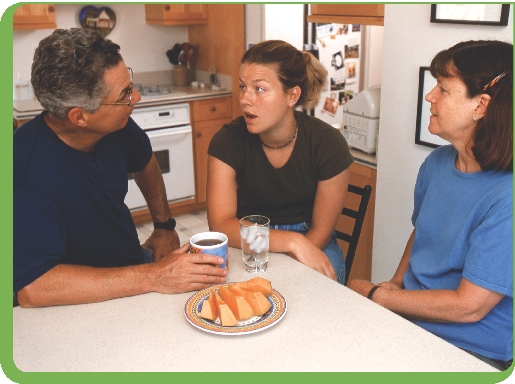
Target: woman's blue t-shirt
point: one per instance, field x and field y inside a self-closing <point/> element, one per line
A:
<point x="464" y="229"/>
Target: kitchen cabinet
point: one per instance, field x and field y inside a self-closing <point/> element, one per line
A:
<point x="367" y="14"/>
<point x="176" y="14"/>
<point x="208" y="116"/>
<point x="221" y="42"/>
<point x="34" y="16"/>
<point x="361" y="175"/>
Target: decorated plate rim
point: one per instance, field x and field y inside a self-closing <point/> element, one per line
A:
<point x="254" y="324"/>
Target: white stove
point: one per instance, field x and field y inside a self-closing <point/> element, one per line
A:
<point x="169" y="130"/>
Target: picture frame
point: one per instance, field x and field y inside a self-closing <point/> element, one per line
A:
<point x="426" y="82"/>
<point x="478" y="14"/>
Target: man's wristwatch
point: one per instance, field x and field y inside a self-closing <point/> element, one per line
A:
<point x="169" y="224"/>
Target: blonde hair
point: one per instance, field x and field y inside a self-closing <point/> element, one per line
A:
<point x="294" y="68"/>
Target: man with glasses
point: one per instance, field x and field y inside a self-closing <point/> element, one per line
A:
<point x="74" y="237"/>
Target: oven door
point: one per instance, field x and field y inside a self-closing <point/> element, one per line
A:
<point x="174" y="152"/>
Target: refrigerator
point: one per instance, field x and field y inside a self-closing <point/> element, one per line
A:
<point x="338" y="47"/>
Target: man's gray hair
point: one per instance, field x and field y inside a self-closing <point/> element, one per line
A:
<point x="68" y="70"/>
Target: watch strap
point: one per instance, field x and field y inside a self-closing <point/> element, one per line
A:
<point x="169" y="224"/>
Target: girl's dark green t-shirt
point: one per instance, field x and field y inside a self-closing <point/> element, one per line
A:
<point x="285" y="195"/>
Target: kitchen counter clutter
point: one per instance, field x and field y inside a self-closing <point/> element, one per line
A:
<point x="23" y="109"/>
<point x="360" y="157"/>
<point x="326" y="328"/>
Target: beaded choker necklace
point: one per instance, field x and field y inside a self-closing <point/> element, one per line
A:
<point x="288" y="143"/>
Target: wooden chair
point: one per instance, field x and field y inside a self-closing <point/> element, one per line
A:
<point x="358" y="216"/>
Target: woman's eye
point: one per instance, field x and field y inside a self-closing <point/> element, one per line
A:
<point x="242" y="87"/>
<point x="260" y="89"/>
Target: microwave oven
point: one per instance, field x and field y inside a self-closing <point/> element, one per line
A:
<point x="361" y="120"/>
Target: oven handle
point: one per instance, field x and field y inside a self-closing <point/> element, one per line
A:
<point x="168" y="132"/>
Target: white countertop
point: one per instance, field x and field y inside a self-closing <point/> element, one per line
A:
<point x="327" y="327"/>
<point x="31" y="108"/>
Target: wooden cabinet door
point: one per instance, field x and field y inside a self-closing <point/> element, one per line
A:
<point x="34" y="16"/>
<point x="210" y="109"/>
<point x="203" y="132"/>
<point x="221" y="42"/>
<point x="367" y="14"/>
<point x="348" y="9"/>
<point x="176" y="14"/>
<point x="362" y="266"/>
<point x="208" y="117"/>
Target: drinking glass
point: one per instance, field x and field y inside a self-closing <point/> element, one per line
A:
<point x="254" y="233"/>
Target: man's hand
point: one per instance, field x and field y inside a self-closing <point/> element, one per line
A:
<point x="162" y="242"/>
<point x="181" y="272"/>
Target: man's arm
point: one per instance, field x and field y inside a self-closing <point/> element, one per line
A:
<point x="150" y="182"/>
<point x="73" y="284"/>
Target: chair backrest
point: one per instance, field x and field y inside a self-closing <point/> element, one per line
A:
<point x="358" y="216"/>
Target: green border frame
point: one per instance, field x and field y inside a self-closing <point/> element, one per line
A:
<point x="6" y="324"/>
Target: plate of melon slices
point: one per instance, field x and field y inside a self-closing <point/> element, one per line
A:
<point x="236" y="308"/>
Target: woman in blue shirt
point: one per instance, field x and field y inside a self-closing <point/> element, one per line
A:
<point x="455" y="278"/>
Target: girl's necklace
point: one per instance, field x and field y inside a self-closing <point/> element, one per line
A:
<point x="284" y="145"/>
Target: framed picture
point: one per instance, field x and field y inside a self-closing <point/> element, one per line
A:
<point x="426" y="82"/>
<point x="485" y="14"/>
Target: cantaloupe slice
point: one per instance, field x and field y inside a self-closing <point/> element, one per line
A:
<point x="258" y="302"/>
<point x="209" y="310"/>
<point x="257" y="284"/>
<point x="238" y="305"/>
<point x="225" y="314"/>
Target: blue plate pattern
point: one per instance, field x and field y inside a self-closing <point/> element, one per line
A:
<point x="193" y="307"/>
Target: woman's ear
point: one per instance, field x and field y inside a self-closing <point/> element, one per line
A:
<point x="294" y="95"/>
<point x="77" y="117"/>
<point x="482" y="105"/>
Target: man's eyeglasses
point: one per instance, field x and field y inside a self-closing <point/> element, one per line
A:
<point x="128" y="93"/>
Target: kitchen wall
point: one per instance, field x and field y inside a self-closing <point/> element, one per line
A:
<point x="410" y="41"/>
<point x="143" y="46"/>
<point x="274" y="21"/>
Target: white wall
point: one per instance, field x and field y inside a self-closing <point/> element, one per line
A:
<point x="410" y="41"/>
<point x="143" y="46"/>
<point x="274" y="22"/>
<point x="373" y="55"/>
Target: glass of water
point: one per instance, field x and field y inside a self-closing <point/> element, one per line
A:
<point x="254" y="233"/>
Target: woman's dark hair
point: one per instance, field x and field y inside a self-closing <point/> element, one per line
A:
<point x="477" y="63"/>
<point x="294" y="68"/>
<point x="68" y="70"/>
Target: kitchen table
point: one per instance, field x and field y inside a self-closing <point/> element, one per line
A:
<point x="327" y="327"/>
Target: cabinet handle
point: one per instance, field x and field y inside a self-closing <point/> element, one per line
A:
<point x="199" y="135"/>
<point x="51" y="8"/>
<point x="213" y="109"/>
<point x="167" y="7"/>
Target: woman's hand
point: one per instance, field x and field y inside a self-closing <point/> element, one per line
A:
<point x="307" y="253"/>
<point x="390" y="285"/>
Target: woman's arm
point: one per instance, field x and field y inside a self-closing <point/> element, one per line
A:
<point x="468" y="303"/>
<point x="327" y="209"/>
<point x="221" y="204"/>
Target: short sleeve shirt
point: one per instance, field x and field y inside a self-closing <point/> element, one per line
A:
<point x="69" y="205"/>
<point x="285" y="195"/>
